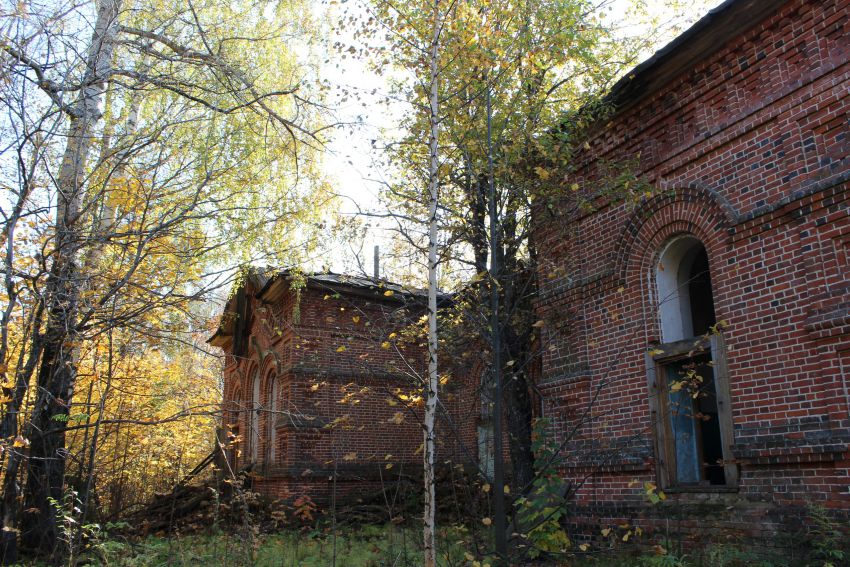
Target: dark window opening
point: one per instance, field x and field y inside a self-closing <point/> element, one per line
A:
<point x="700" y="296"/>
<point x="693" y="421"/>
<point x="694" y="427"/>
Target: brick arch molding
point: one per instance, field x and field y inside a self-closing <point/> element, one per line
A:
<point x="692" y="210"/>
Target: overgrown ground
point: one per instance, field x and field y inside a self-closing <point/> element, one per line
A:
<point x="379" y="546"/>
<point x="393" y="545"/>
<point x="366" y="546"/>
<point x="196" y="525"/>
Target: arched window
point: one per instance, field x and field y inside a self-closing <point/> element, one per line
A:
<point x="271" y="424"/>
<point x="686" y="303"/>
<point x="254" y="418"/>
<point x="231" y="424"/>
<point x="687" y="372"/>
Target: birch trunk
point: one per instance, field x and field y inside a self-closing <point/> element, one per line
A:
<point x="429" y="524"/>
<point x="57" y="373"/>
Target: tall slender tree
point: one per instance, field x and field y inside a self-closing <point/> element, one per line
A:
<point x="57" y="374"/>
<point x="170" y="127"/>
<point x="432" y="390"/>
<point x="512" y="73"/>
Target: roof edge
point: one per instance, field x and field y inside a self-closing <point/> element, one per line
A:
<point x="726" y="21"/>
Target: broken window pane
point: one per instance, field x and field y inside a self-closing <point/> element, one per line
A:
<point x="693" y="421"/>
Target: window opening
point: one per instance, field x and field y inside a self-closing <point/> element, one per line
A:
<point x="231" y="439"/>
<point x="685" y="365"/>
<point x="486" y="450"/>
<point x="255" y="417"/>
<point x="699" y="294"/>
<point x="693" y="421"/>
<point x="272" y="419"/>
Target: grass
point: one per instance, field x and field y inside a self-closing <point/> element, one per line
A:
<point x="369" y="546"/>
<point x="395" y="545"/>
<point x="376" y="546"/>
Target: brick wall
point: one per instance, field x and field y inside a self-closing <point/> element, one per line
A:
<point x="344" y="363"/>
<point x="748" y="151"/>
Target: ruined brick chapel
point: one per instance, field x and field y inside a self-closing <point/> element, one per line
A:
<point x="733" y="277"/>
<point x="742" y="126"/>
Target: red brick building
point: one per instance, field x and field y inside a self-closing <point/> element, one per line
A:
<point x="700" y="340"/>
<point x="320" y="385"/>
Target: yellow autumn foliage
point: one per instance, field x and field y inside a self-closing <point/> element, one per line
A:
<point x="158" y="407"/>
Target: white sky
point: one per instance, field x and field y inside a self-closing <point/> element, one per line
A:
<point x="349" y="161"/>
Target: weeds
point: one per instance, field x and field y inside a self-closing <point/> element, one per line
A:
<point x="826" y="538"/>
<point x="369" y="546"/>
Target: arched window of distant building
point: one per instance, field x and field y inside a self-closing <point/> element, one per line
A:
<point x="231" y="424"/>
<point x="271" y="423"/>
<point x="254" y="418"/>
<point x="693" y="422"/>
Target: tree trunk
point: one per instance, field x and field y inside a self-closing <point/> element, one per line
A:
<point x="520" y="414"/>
<point x="9" y="430"/>
<point x="429" y="521"/>
<point x="57" y="373"/>
<point x="496" y="343"/>
<point x="517" y="332"/>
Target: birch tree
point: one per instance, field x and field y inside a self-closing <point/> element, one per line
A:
<point x="407" y="38"/>
<point x="148" y="135"/>
<point x="56" y="376"/>
<point x="513" y="74"/>
<point x="429" y="529"/>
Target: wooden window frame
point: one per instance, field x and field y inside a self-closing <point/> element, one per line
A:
<point x="657" y="358"/>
